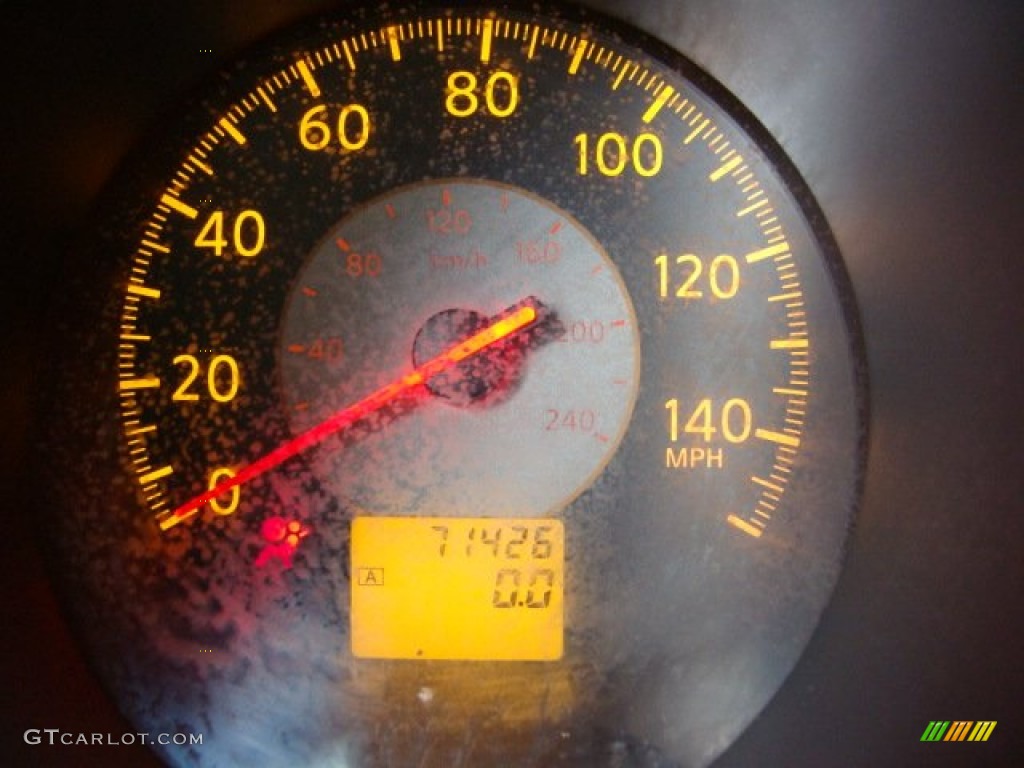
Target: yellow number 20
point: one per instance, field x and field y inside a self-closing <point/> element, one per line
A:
<point x="222" y="378"/>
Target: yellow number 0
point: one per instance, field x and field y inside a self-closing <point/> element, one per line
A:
<point x="216" y="476"/>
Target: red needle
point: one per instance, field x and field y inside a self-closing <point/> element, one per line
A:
<point x="496" y="331"/>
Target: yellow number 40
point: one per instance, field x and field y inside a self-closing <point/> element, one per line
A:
<point x="248" y="234"/>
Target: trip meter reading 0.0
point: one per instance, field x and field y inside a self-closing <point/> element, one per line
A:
<point x="484" y="387"/>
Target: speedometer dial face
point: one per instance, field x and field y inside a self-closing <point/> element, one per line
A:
<point x="477" y="386"/>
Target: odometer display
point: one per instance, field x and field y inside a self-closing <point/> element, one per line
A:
<point x="485" y="390"/>
<point x="457" y="588"/>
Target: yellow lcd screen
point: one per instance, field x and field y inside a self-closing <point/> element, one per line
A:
<point x="457" y="588"/>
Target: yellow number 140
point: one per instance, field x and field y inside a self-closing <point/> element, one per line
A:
<point x="733" y="418"/>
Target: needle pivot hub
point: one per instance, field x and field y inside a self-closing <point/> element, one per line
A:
<point x="484" y="379"/>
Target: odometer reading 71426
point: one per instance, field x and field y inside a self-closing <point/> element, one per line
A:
<point x="457" y="588"/>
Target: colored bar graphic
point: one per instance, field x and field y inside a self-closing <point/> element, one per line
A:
<point x="982" y="730"/>
<point x="935" y="731"/>
<point x="958" y="730"/>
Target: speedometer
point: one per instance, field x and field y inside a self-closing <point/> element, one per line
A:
<point x="471" y="386"/>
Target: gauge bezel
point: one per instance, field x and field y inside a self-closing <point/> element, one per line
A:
<point x="752" y="128"/>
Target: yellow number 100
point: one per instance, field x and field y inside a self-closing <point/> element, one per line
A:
<point x="613" y="152"/>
